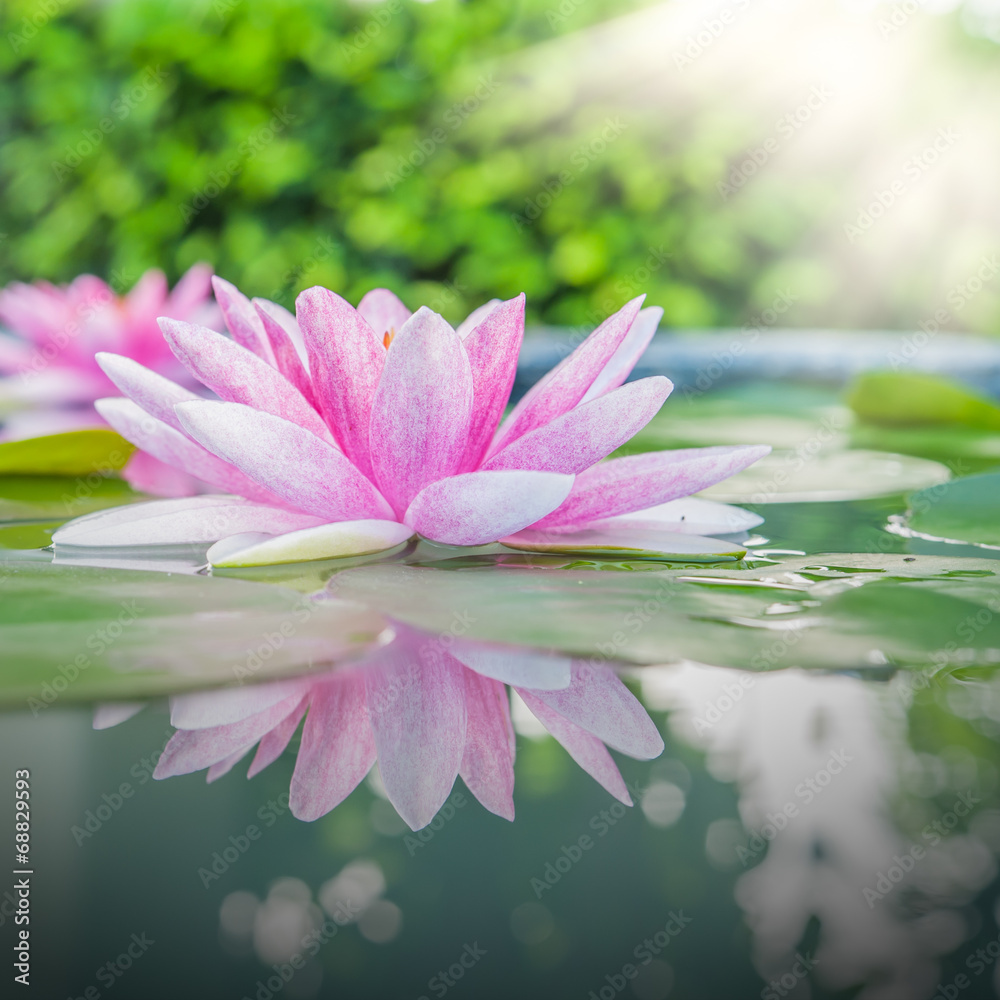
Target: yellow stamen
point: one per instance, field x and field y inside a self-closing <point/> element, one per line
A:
<point x="387" y="339"/>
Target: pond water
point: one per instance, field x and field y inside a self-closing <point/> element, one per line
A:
<point x="824" y="821"/>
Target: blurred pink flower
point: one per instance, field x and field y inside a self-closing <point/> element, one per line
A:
<point x="49" y="378"/>
<point x="349" y="430"/>
<point x="425" y="711"/>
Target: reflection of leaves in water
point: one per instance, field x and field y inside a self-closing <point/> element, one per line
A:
<point x="84" y="633"/>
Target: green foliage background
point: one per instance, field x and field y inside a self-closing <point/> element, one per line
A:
<point x="137" y="134"/>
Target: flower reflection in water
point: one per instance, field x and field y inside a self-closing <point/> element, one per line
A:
<point x="426" y="711"/>
<point x="817" y="762"/>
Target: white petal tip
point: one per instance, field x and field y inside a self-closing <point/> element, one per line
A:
<point x="625" y="543"/>
<point x="327" y="541"/>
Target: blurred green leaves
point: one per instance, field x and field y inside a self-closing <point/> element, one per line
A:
<point x="141" y="134"/>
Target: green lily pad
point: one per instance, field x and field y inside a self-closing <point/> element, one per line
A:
<point x="782" y="416"/>
<point x="965" y="450"/>
<point x="912" y="399"/>
<point x="799" y="476"/>
<point x="59" y="498"/>
<point x="74" y="453"/>
<point x="966" y="510"/>
<point x="847" y="612"/>
<point x="73" y="634"/>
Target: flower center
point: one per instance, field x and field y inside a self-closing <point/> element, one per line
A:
<point x="388" y="338"/>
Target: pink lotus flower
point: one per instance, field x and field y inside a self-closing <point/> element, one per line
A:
<point x="348" y="431"/>
<point x="50" y="377"/>
<point x="425" y="711"/>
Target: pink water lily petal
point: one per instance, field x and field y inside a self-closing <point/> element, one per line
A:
<point x="176" y="449"/>
<point x="193" y="749"/>
<point x="216" y="771"/>
<point x="623" y="485"/>
<point x="241" y="319"/>
<point x="600" y="703"/>
<point x="417" y="708"/>
<point x="345" y="361"/>
<point x="618" y="369"/>
<point x="114" y="713"/>
<point x="210" y="709"/>
<point x="563" y="387"/>
<point x="190" y="292"/>
<point x="487" y="766"/>
<point x="289" y="461"/>
<point x="383" y="311"/>
<point x="587" y="750"/>
<point x="338" y="748"/>
<point x="578" y="439"/>
<point x="492" y="346"/>
<point x="477" y="508"/>
<point x="148" y="295"/>
<point x="239" y="376"/>
<point x="476" y="317"/>
<point x="190" y="520"/>
<point x="146" y="474"/>
<point x="688" y="515"/>
<point x="273" y="744"/>
<point x="287" y="346"/>
<point x="152" y="392"/>
<point x="421" y="409"/>
<point x="513" y="665"/>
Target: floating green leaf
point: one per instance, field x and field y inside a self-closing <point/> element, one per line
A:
<point x="797" y="476"/>
<point x="966" y="509"/>
<point x="75" y="453"/>
<point x="854" y="612"/>
<point x="58" y="498"/>
<point x="912" y="399"/>
<point x="72" y="634"/>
